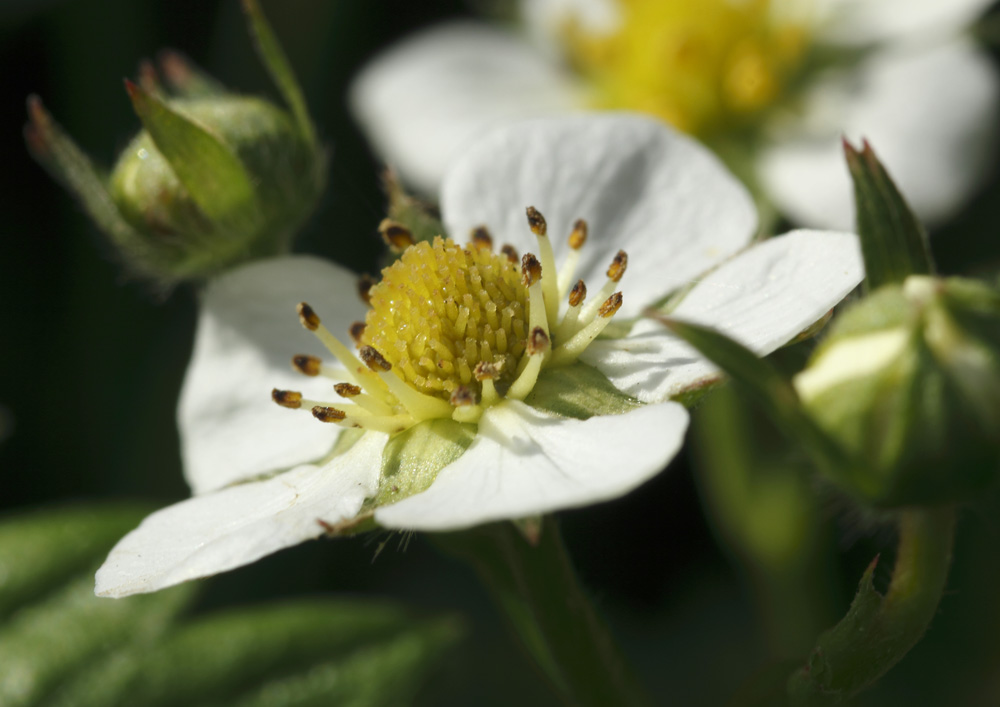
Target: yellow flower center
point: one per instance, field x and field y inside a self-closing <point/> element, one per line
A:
<point x="452" y="330"/>
<point x="441" y="310"/>
<point x="702" y="65"/>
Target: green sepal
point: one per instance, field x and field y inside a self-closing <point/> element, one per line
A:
<point x="412" y="459"/>
<point x="310" y="652"/>
<point x="767" y="387"/>
<point x="41" y="549"/>
<point x="893" y="242"/>
<point x="210" y="171"/>
<point x="185" y="79"/>
<point x="407" y="210"/>
<point x="273" y="56"/>
<point x="578" y="391"/>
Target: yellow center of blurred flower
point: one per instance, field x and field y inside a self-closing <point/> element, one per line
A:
<point x="702" y="65"/>
<point x="441" y="310"/>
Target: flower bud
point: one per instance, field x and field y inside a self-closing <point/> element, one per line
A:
<point x="908" y="382"/>
<point x="213" y="178"/>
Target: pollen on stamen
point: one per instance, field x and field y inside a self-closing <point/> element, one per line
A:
<point x="538" y="342"/>
<point x="347" y="390"/>
<point x="579" y="235"/>
<point x="287" y="398"/>
<point x="536" y="222"/>
<point x="486" y="371"/>
<point x="357" y="330"/>
<point x="310" y="320"/>
<point x="307" y="365"/>
<point x="481" y="237"/>
<point x="365" y="284"/>
<point x="463" y="396"/>
<point x="611" y="305"/>
<point x="578" y="294"/>
<point x="397" y="236"/>
<point x="328" y="414"/>
<point x="373" y="359"/>
<point x="510" y="252"/>
<point x="531" y="270"/>
<point x="617" y="268"/>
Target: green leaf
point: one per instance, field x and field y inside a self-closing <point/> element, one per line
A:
<point x="579" y="391"/>
<point x="893" y="242"/>
<point x="209" y="170"/>
<point x="764" y="384"/>
<point x="280" y="69"/>
<point x="312" y="652"/>
<point x="43" y="644"/>
<point x="43" y="549"/>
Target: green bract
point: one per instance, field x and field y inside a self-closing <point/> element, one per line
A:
<point x="909" y="381"/>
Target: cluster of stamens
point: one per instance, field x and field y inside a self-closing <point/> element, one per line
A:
<point x="451" y="330"/>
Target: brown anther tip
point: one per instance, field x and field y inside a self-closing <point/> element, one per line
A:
<point x="538" y="342"/>
<point x="462" y="397"/>
<point x="481" y="238"/>
<point x="486" y="371"/>
<point x="531" y="270"/>
<point x="611" y="305"/>
<point x="510" y="252"/>
<point x="579" y="235"/>
<point x="310" y="320"/>
<point x="325" y="414"/>
<point x="577" y="294"/>
<point x="356" y="331"/>
<point x="287" y="398"/>
<point x="397" y="236"/>
<point x="365" y="284"/>
<point x="347" y="390"/>
<point x="306" y="364"/>
<point x="536" y="222"/>
<point x="618" y="266"/>
<point x="373" y="359"/>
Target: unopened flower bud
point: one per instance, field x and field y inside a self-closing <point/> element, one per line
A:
<point x="909" y="383"/>
<point x="213" y="178"/>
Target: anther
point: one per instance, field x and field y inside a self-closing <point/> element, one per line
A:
<point x="531" y="270"/>
<point x="287" y="398"/>
<point x="577" y="294"/>
<point x="536" y="222"/>
<point x="579" y="235"/>
<point x="397" y="236"/>
<point x="356" y="331"/>
<point x="611" y="305"/>
<point x="538" y="341"/>
<point x="365" y="284"/>
<point x="481" y="238"/>
<point x="463" y="396"/>
<point x="306" y="365"/>
<point x="486" y="371"/>
<point x="618" y="265"/>
<point x="347" y="390"/>
<point x="310" y="320"/>
<point x="511" y="252"/>
<point x="327" y="414"/>
<point x="373" y="359"/>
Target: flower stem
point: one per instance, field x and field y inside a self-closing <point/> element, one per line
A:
<point x="879" y="630"/>
<point x="534" y="583"/>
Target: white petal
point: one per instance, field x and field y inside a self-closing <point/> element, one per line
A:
<point x="216" y="532"/>
<point x="247" y="333"/>
<point x="930" y="116"/>
<point x="424" y="99"/>
<point x="763" y="298"/>
<point x="524" y="462"/>
<point x="857" y="22"/>
<point x="642" y="187"/>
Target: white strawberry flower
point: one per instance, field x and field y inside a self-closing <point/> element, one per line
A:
<point x="480" y="388"/>
<point x="772" y="85"/>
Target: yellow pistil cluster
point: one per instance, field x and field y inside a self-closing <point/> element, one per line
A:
<point x="702" y="65"/>
<point x="453" y="330"/>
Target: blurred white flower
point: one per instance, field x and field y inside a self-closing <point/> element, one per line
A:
<point x="772" y="85"/>
<point x="466" y="413"/>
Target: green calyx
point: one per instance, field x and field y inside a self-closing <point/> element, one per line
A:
<point x="212" y="180"/>
<point x="908" y="383"/>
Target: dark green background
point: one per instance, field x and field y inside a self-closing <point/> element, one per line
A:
<point x="90" y="368"/>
